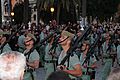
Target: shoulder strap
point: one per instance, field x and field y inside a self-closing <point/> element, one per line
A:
<point x="68" y="63"/>
<point x="29" y="52"/>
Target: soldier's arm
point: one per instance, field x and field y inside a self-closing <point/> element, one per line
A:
<point x="34" y="64"/>
<point x="76" y="72"/>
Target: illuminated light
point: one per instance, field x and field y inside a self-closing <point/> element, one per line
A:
<point x="82" y="28"/>
<point x="12" y="13"/>
<point x="13" y="20"/>
<point x="52" y="9"/>
<point x="3" y="20"/>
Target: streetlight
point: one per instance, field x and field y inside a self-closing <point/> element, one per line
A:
<point x="12" y="20"/>
<point x="12" y="13"/>
<point x="52" y="9"/>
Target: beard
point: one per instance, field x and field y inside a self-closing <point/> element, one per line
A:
<point x="82" y="50"/>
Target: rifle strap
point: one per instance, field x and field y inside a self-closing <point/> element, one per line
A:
<point x="32" y="76"/>
<point x="28" y="54"/>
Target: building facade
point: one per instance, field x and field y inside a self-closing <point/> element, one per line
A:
<point x="32" y="5"/>
<point x="8" y="5"/>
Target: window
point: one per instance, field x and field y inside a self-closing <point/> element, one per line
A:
<point x="34" y="17"/>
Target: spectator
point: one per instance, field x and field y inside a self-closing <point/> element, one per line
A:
<point x="12" y="65"/>
<point x="58" y="75"/>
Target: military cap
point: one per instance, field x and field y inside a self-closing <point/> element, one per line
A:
<point x="66" y="33"/>
<point x="2" y="33"/>
<point x="86" y="42"/>
<point x="32" y="36"/>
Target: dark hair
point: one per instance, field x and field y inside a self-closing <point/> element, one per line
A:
<point x="6" y="35"/>
<point x="59" y="75"/>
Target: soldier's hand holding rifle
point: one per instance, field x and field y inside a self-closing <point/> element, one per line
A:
<point x="61" y="67"/>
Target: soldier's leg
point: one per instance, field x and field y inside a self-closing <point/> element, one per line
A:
<point x="106" y="69"/>
<point x="85" y="77"/>
<point x="49" y="68"/>
<point x="42" y="54"/>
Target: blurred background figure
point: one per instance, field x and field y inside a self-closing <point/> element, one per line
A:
<point x="4" y="46"/>
<point x="114" y="75"/>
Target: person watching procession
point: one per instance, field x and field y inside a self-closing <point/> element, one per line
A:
<point x="32" y="57"/>
<point x="4" y="46"/>
<point x="59" y="75"/>
<point x="72" y="66"/>
<point x="12" y="65"/>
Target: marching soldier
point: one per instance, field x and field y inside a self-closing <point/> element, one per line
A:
<point x="72" y="64"/>
<point x="93" y="35"/>
<point x="87" y="61"/>
<point x="32" y="57"/>
<point x="107" y="48"/>
<point x="118" y="53"/>
<point x="42" y="48"/>
<point x="4" y="47"/>
<point x="117" y="36"/>
<point x="21" y="39"/>
<point x="52" y="50"/>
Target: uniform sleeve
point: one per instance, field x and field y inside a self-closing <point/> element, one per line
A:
<point x="74" y="60"/>
<point x="92" y="60"/>
<point x="118" y="49"/>
<point x="7" y="48"/>
<point x="114" y="48"/>
<point x="35" y="55"/>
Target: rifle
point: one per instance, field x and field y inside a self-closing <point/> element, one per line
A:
<point x="39" y="44"/>
<point x="10" y="38"/>
<point x="91" y="50"/>
<point x="72" y="48"/>
<point x="89" y="53"/>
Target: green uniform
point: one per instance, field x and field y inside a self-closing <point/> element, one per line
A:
<point x="73" y="60"/>
<point x="42" y="48"/>
<point x="106" y="51"/>
<point x="92" y="37"/>
<point x="107" y="60"/>
<point x="118" y="53"/>
<point x="21" y="43"/>
<point x="50" y="61"/>
<point x="84" y="64"/>
<point x="33" y="56"/>
<point x="5" y="48"/>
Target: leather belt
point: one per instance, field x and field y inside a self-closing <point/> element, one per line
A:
<point x="29" y="70"/>
<point x="50" y="61"/>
